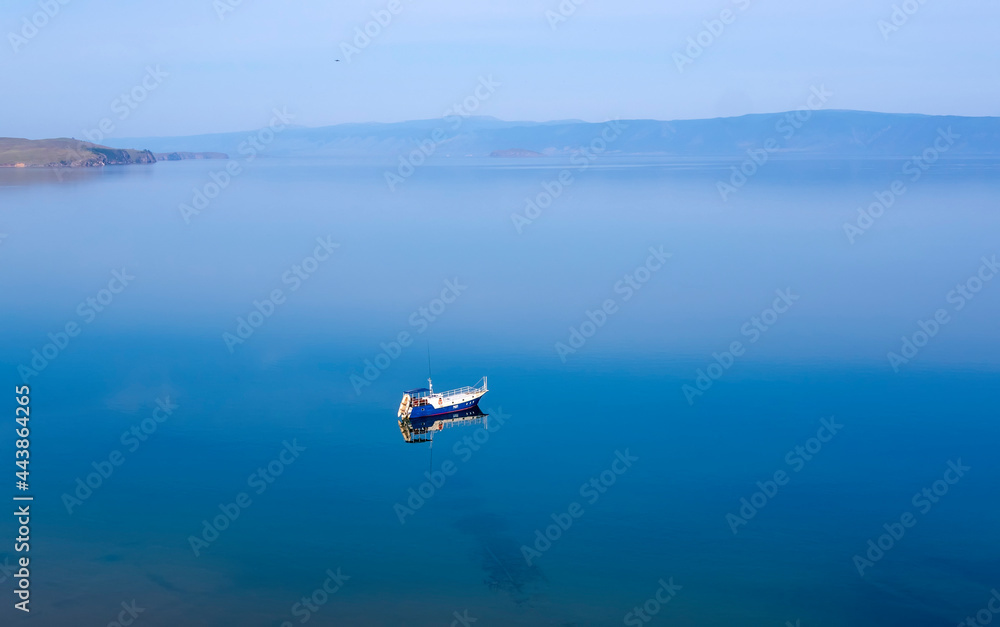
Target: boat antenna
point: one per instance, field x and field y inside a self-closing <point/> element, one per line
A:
<point x="430" y="384"/>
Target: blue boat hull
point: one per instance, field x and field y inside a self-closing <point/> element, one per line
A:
<point x="426" y="411"/>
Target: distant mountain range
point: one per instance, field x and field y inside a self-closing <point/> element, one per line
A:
<point x="822" y="133"/>
<point x="796" y="134"/>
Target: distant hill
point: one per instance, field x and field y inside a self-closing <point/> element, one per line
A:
<point x="28" y="153"/>
<point x="824" y="133"/>
<point x="73" y="153"/>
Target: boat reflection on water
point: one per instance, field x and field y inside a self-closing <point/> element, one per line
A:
<point x="423" y="429"/>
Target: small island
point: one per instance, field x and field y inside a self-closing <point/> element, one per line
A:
<point x="515" y="153"/>
<point x="184" y="156"/>
<point x="73" y="153"/>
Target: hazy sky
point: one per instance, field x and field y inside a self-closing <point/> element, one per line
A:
<point x="606" y="59"/>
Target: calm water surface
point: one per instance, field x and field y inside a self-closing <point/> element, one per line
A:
<point x="555" y="424"/>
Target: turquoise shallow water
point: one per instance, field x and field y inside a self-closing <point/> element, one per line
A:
<point x="555" y="425"/>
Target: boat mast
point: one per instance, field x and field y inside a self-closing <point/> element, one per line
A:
<point x="430" y="384"/>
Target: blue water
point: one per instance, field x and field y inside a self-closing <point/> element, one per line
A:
<point x="554" y="424"/>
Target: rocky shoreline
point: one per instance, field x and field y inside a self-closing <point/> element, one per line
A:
<point x="72" y="153"/>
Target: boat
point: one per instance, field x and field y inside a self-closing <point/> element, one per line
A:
<point x="425" y="402"/>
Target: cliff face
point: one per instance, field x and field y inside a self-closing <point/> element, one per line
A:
<point x="115" y="156"/>
<point x="65" y="153"/>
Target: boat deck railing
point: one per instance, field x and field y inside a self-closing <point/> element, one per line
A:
<point x="480" y="386"/>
